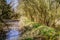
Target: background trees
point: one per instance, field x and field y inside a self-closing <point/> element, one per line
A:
<point x="6" y="10"/>
<point x="42" y="11"/>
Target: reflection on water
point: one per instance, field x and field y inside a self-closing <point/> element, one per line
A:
<point x="13" y="32"/>
<point x="13" y="35"/>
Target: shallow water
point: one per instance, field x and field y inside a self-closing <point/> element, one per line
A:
<point x="13" y="35"/>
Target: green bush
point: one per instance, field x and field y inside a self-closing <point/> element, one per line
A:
<point x="28" y="39"/>
<point x="40" y="31"/>
<point x="31" y="26"/>
<point x="35" y="25"/>
<point x="34" y="30"/>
